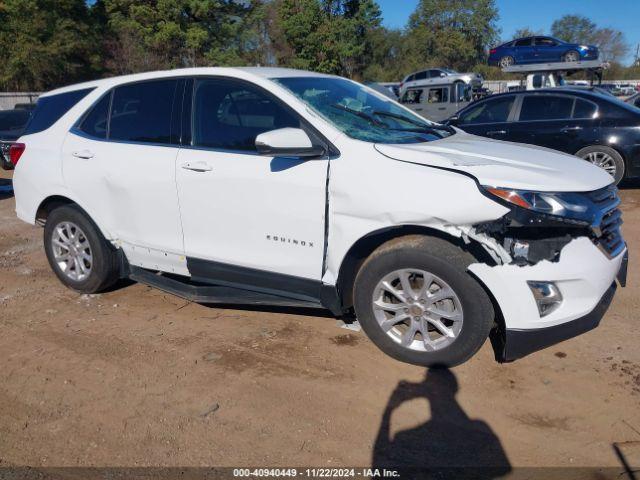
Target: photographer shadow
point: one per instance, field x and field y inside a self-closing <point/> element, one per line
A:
<point x="449" y="442"/>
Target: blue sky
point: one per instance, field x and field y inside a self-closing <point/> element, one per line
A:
<point x="622" y="15"/>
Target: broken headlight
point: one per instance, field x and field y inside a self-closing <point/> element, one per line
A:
<point x="563" y="206"/>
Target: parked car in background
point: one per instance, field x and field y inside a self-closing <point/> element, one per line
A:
<point x="540" y="49"/>
<point x="439" y="76"/>
<point x="12" y="125"/>
<point x="626" y="89"/>
<point x="437" y="102"/>
<point x="598" y="128"/>
<point x="384" y="90"/>
<point x="288" y="187"/>
<point x="634" y="100"/>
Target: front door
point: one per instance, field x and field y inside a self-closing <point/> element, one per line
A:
<point x="122" y="169"/>
<point x="248" y="220"/>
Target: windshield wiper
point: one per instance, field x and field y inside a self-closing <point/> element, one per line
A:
<point x="360" y="114"/>
<point x="422" y="126"/>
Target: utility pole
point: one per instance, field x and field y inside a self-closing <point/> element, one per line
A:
<point x="636" y="62"/>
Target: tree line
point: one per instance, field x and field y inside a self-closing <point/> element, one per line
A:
<point x="48" y="43"/>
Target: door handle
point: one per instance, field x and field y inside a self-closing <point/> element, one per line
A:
<point x="417" y="109"/>
<point x="197" y="166"/>
<point x="442" y="108"/>
<point x="570" y="129"/>
<point x="84" y="154"/>
<point x="497" y="132"/>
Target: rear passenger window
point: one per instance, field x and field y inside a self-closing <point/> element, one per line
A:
<point x="141" y="112"/>
<point x="421" y="76"/>
<point x="96" y="121"/>
<point x="230" y="115"/>
<point x="526" y="42"/>
<point x="584" y="109"/>
<point x="412" y="96"/>
<point x="491" y="111"/>
<point x="438" y="95"/>
<point x="51" y="108"/>
<point x="545" y="107"/>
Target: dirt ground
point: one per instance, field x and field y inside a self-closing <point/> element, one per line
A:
<point x="137" y="377"/>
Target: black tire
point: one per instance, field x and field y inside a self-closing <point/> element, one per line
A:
<point x="612" y="153"/>
<point x="449" y="263"/>
<point x="571" y="56"/>
<point x="506" y="61"/>
<point x="104" y="270"/>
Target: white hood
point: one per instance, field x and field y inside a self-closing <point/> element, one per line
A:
<point x="504" y="164"/>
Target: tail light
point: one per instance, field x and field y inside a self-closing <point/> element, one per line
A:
<point x="493" y="51"/>
<point x="15" y="152"/>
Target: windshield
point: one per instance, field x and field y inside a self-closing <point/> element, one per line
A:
<point x="363" y="115"/>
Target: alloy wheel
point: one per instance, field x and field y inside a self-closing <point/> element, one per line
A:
<point x="506" y="62"/>
<point x="602" y="160"/>
<point x="571" y="57"/>
<point x="72" y="251"/>
<point x="417" y="310"/>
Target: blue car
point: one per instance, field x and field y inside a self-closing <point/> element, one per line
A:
<point x="540" y="50"/>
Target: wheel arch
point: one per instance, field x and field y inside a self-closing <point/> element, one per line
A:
<point x="364" y="246"/>
<point x="52" y="202"/>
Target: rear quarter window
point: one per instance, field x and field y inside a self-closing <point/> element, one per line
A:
<point x="51" y="108"/>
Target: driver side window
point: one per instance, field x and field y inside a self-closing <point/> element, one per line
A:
<point x="229" y="115"/>
<point x="491" y="111"/>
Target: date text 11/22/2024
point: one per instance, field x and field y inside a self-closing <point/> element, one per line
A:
<point x="317" y="472"/>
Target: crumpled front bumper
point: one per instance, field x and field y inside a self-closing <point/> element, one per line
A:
<point x="584" y="275"/>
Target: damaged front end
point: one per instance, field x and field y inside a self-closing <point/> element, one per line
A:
<point x="557" y="256"/>
<point x="540" y="224"/>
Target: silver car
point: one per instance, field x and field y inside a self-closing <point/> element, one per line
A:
<point x="439" y="76"/>
<point x="437" y="102"/>
<point x="634" y="100"/>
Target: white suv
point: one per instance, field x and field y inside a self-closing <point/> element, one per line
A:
<point x="285" y="187"/>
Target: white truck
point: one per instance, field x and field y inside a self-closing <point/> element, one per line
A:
<point x="286" y="187"/>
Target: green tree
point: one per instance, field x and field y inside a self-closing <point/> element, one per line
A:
<point x="573" y="28"/>
<point x="46" y="43"/>
<point x="332" y="36"/>
<point x="451" y="33"/>
<point x="525" y="32"/>
<point x="579" y="29"/>
<point x="151" y="34"/>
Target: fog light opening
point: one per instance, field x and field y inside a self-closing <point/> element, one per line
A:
<point x="547" y="296"/>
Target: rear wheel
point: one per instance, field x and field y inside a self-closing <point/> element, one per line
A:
<point x="606" y="158"/>
<point x="78" y="253"/>
<point x="506" y="61"/>
<point x="416" y="302"/>
<point x="571" y="56"/>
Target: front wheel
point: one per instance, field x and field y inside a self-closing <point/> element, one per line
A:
<point x="416" y="302"/>
<point x="606" y="158"/>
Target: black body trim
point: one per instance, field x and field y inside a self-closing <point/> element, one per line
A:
<point x="197" y="292"/>
<point x="519" y="343"/>
<point x="305" y="290"/>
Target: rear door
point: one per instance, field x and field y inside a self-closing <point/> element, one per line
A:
<point x="120" y="163"/>
<point x="490" y="117"/>
<point x="524" y="51"/>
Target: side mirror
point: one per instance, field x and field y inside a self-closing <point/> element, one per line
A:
<point x="442" y="74"/>
<point x="452" y="120"/>
<point x="287" y="142"/>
